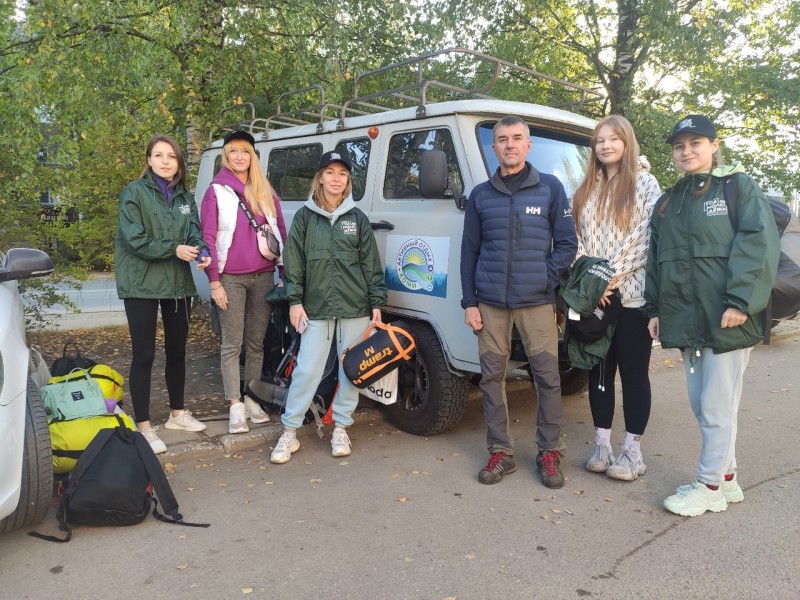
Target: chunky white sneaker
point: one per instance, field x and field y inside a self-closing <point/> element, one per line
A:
<point x="287" y="445"/>
<point x="237" y="419"/>
<point x="255" y="412"/>
<point x="185" y="421"/>
<point x="602" y="457"/>
<point x="152" y="438"/>
<point x="628" y="466"/>
<point x="696" y="500"/>
<point x="730" y="489"/>
<point x="340" y="443"/>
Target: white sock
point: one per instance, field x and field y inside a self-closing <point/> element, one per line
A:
<point x="290" y="432"/>
<point x="632" y="441"/>
<point x="602" y="437"/>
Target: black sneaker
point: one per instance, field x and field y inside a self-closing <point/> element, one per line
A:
<point x="500" y="463"/>
<point x="549" y="470"/>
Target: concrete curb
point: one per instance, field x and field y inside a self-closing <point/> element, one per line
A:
<point x="216" y="445"/>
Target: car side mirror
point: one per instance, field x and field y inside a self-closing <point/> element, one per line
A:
<point x="24" y="263"/>
<point x="434" y="180"/>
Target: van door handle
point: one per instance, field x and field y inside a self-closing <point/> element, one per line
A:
<point x="382" y="225"/>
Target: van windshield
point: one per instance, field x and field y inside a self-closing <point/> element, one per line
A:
<point x="565" y="156"/>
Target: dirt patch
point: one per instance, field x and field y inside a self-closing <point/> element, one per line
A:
<point x="112" y="346"/>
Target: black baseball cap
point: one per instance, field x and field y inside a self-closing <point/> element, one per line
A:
<point x="332" y="157"/>
<point x="698" y="124"/>
<point x="593" y="327"/>
<point x="238" y="135"/>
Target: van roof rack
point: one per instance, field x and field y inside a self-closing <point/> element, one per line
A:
<point x="418" y="82"/>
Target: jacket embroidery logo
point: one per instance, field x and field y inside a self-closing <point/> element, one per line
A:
<point x="533" y="210"/>
<point x="715" y="207"/>
<point x="349" y="228"/>
<point x="185" y="209"/>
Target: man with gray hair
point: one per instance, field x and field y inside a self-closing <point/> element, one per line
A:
<point x="519" y="236"/>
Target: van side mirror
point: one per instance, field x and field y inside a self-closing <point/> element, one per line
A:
<point x="433" y="179"/>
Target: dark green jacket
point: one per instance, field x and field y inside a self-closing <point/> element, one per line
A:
<point x="699" y="265"/>
<point x="582" y="293"/>
<point x="333" y="268"/>
<point x="148" y="232"/>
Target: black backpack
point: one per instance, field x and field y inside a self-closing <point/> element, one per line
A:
<point x="113" y="484"/>
<point x="66" y="364"/>
<point x="785" y="299"/>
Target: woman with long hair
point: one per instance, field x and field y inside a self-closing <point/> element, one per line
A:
<point x="612" y="209"/>
<point x="158" y="236"/>
<point x="335" y="284"/>
<point x="240" y="201"/>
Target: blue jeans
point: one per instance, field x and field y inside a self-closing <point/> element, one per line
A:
<point x="315" y="345"/>
<point x="715" y="389"/>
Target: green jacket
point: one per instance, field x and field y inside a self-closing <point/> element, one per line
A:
<point x="333" y="268"/>
<point x="698" y="264"/>
<point x="148" y="232"/>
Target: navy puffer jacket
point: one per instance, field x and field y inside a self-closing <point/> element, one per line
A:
<point x="515" y="246"/>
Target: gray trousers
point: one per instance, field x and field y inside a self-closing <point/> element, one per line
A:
<point x="539" y="333"/>
<point x="246" y="318"/>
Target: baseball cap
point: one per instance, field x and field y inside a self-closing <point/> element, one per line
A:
<point x="698" y="124"/>
<point x="593" y="327"/>
<point x="332" y="157"/>
<point x="238" y="135"/>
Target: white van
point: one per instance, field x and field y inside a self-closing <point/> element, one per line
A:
<point x="393" y="152"/>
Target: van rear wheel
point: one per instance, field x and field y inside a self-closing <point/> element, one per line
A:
<point x="430" y="398"/>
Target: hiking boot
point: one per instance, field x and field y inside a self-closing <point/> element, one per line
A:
<point x="340" y="443"/>
<point x="287" y="445"/>
<point x="152" y="438"/>
<point x="695" y="499"/>
<point x="500" y="464"/>
<point x="602" y="457"/>
<point x="628" y="466"/>
<point x="548" y="464"/>
<point x="185" y="421"/>
<point x="255" y="412"/>
<point x="730" y="489"/>
<point x="237" y="418"/>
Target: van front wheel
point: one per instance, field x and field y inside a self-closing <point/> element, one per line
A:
<point x="430" y="398"/>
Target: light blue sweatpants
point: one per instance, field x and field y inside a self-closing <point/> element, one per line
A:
<point x="715" y="388"/>
<point x="315" y="344"/>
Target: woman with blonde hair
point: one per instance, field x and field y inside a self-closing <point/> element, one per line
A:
<point x="612" y="210"/>
<point x="335" y="284"/>
<point x="238" y="203"/>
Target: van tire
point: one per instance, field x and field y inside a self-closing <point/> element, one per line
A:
<point x="37" y="466"/>
<point x="430" y="398"/>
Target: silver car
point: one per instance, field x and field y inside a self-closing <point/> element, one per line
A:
<point x="26" y="465"/>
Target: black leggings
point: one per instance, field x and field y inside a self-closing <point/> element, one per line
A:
<point x="630" y="351"/>
<point x="142" y="320"/>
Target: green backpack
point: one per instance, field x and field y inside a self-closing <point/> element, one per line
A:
<point x="74" y="398"/>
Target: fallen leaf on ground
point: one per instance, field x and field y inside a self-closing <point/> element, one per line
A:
<point x="223" y="485"/>
<point x="182" y="567"/>
<point x="316" y="481"/>
<point x="189" y="489"/>
<point x="247" y="590"/>
<point x="169" y="467"/>
<point x="344" y="463"/>
<point x="608" y="499"/>
<point x="402" y="499"/>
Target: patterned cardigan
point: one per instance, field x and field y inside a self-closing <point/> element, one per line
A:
<point x="600" y="237"/>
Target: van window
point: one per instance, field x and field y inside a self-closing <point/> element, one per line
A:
<point x="562" y="155"/>
<point x="290" y="170"/>
<point x="402" y="167"/>
<point x="358" y="152"/>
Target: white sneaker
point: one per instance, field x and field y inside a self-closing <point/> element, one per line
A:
<point x="287" y="445"/>
<point x="255" y="412"/>
<point x="628" y="466"/>
<point x="730" y="489"/>
<point x="602" y="457"/>
<point x="237" y="418"/>
<point x="340" y="443"/>
<point x="185" y="421"/>
<point x="696" y="500"/>
<point x="152" y="438"/>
